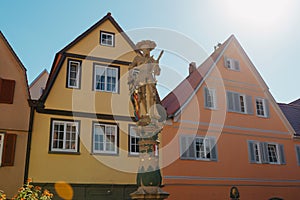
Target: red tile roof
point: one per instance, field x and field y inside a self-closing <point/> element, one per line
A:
<point x="176" y="100"/>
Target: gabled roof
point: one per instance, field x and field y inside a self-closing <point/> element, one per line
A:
<point x="292" y="113"/>
<point x="38" y="77"/>
<point x="106" y="17"/>
<point x="60" y="56"/>
<point x="176" y="100"/>
<point x="20" y="64"/>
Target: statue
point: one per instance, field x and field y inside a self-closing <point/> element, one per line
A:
<point x="142" y="83"/>
<point x="150" y="117"/>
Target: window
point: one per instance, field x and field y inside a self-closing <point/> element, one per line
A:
<point x="64" y="136"/>
<point x="7" y="90"/>
<point x="106" y="78"/>
<point x="133" y="141"/>
<point x="232" y="64"/>
<point x="262" y="107"/>
<point x="74" y="68"/>
<point x="255" y="152"/>
<point x="198" y="148"/>
<point x="237" y="102"/>
<point x="7" y="149"/>
<point x="298" y="154"/>
<point x="105" y="138"/>
<point x="264" y="152"/>
<point x="210" y="98"/>
<point x="272" y="153"/>
<point x="202" y="147"/>
<point x="107" y="39"/>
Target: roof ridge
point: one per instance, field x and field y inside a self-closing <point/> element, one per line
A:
<point x="38" y="77"/>
<point x="194" y="80"/>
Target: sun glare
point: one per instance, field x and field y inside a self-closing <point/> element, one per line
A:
<point x="261" y="13"/>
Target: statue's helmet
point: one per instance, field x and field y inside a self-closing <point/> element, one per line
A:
<point x="146" y="44"/>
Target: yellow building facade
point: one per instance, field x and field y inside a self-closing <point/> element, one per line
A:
<point x="81" y="126"/>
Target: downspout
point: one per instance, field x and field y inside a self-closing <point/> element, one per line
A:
<point x="32" y="104"/>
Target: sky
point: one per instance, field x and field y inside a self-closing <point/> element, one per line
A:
<point x="268" y="30"/>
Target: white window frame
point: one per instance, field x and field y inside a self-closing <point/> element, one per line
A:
<point x="257" y="151"/>
<point x="263" y="103"/>
<point x="132" y="135"/>
<point x="2" y="135"/>
<point x="205" y="151"/>
<point x="232" y="64"/>
<point x="243" y="103"/>
<point x="77" y="79"/>
<point x="105" y="72"/>
<point x="105" y="142"/>
<point x="188" y="148"/>
<point x="211" y="92"/>
<point x="64" y="139"/>
<point x="234" y="101"/>
<point x="277" y="153"/>
<point x="108" y="41"/>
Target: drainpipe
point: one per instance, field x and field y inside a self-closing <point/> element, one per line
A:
<point x="32" y="104"/>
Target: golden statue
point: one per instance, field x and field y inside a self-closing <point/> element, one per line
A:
<point x="142" y="83"/>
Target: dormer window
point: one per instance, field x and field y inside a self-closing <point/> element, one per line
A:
<point x="232" y="64"/>
<point x="107" y="39"/>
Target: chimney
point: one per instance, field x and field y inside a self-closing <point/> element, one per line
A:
<point x="192" y="67"/>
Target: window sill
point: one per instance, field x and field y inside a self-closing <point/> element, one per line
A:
<point x="64" y="152"/>
<point x="264" y="117"/>
<point x="96" y="90"/>
<point x="104" y="154"/>
<point x="133" y="155"/>
<point x="208" y="108"/>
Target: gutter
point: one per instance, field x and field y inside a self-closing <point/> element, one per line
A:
<point x="33" y="105"/>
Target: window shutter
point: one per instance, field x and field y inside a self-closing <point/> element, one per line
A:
<point x="9" y="146"/>
<point x="191" y="147"/>
<point x="206" y="93"/>
<point x="264" y="152"/>
<point x="251" y="152"/>
<point x="281" y="153"/>
<point x="213" y="150"/>
<point x="227" y="62"/>
<point x="187" y="149"/>
<point x="7" y="91"/>
<point x="236" y="65"/>
<point x="249" y="105"/>
<point x="183" y="147"/>
<point x="298" y="154"/>
<point x="267" y="108"/>
<point x="237" y="104"/>
<point x="230" y="101"/>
